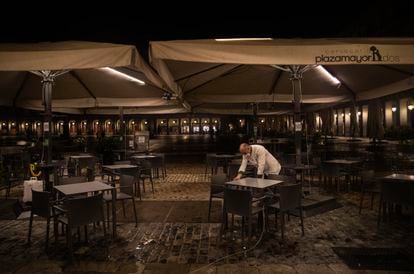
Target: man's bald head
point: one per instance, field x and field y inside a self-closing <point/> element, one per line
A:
<point x="244" y="148"/>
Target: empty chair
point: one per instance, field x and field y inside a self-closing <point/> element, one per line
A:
<point x="290" y="203"/>
<point x="80" y="212"/>
<point x="240" y="202"/>
<point x="124" y="192"/>
<point x="157" y="164"/>
<point x="42" y="207"/>
<point x="134" y="172"/>
<point x="368" y="185"/>
<point x="145" y="172"/>
<point x="216" y="189"/>
<point x="72" y="180"/>
<point x="394" y="193"/>
<point x="332" y="172"/>
<point x="211" y="163"/>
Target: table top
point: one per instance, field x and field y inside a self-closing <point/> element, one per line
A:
<point x="81" y="188"/>
<point x="299" y="167"/>
<point x="225" y="155"/>
<point x="400" y="177"/>
<point x="254" y="183"/>
<point x="81" y="156"/>
<point x="144" y="156"/>
<point x="49" y="165"/>
<point x="121" y="166"/>
<point x="342" y="162"/>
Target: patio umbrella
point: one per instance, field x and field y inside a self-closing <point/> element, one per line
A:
<point x="74" y="76"/>
<point x="375" y="126"/>
<point x="310" y="72"/>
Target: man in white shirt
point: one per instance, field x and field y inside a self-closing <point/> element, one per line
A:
<point x="259" y="156"/>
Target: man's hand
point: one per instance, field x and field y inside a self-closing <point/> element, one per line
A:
<point x="237" y="177"/>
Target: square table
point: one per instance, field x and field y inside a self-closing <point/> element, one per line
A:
<point x="77" y="158"/>
<point x="117" y="167"/>
<point x="256" y="183"/>
<point x="401" y="177"/>
<point x="342" y="162"/>
<point x="87" y="187"/>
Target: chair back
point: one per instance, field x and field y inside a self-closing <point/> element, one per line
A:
<point x="145" y="167"/>
<point x="41" y="203"/>
<point x="330" y="169"/>
<point x="237" y="201"/>
<point x="398" y="192"/>
<point x="284" y="178"/>
<point x="217" y="183"/>
<point x="290" y="197"/>
<point x="156" y="162"/>
<point x="211" y="160"/>
<point x="127" y="184"/>
<point x="122" y="162"/>
<point x="232" y="170"/>
<point x="130" y="171"/>
<point x="72" y="180"/>
<point x="85" y="210"/>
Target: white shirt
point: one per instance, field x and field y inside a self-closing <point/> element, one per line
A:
<point x="263" y="159"/>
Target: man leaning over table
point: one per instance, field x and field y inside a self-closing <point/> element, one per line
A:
<point x="260" y="157"/>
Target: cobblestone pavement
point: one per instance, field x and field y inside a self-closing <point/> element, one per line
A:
<point x="184" y="247"/>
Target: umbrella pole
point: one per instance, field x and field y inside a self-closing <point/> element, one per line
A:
<point x="123" y="130"/>
<point x="48" y="78"/>
<point x="296" y="79"/>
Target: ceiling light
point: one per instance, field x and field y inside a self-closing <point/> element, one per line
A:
<point x="126" y="76"/>
<point x="394" y="109"/>
<point x="410" y="106"/>
<point x="242" y="39"/>
<point x="145" y="122"/>
<point x="329" y="75"/>
<point x="359" y="113"/>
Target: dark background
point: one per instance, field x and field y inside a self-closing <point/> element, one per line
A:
<point x="137" y="23"/>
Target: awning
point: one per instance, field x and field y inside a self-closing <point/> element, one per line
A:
<point x="237" y="71"/>
<point x="98" y="75"/>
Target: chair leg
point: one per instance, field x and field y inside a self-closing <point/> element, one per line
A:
<point x="209" y="208"/>
<point x="69" y="242"/>
<point x="372" y="200"/>
<point x="47" y="233"/>
<point x="249" y="230"/>
<point x="143" y="184"/>
<point x="29" y="236"/>
<point x="152" y="184"/>
<point x="123" y="207"/>
<point x="86" y="233"/>
<point x="107" y="214"/>
<point x="301" y="221"/>
<point x="106" y="241"/>
<point x="361" y="202"/>
<point x="135" y="212"/>
<point x="379" y="212"/>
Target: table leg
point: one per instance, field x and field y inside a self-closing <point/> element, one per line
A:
<point x="114" y="212"/>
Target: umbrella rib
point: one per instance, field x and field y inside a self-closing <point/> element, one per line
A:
<point x="199" y="72"/>
<point x="278" y="76"/>
<point x="397" y="70"/>
<point x="19" y="91"/>
<point x="343" y="83"/>
<point x="76" y="76"/>
<point x="209" y="81"/>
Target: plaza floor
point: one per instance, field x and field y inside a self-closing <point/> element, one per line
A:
<point x="174" y="236"/>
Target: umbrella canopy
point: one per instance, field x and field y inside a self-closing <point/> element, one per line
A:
<point x="99" y="75"/>
<point x="237" y="72"/>
<point x="375" y="125"/>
